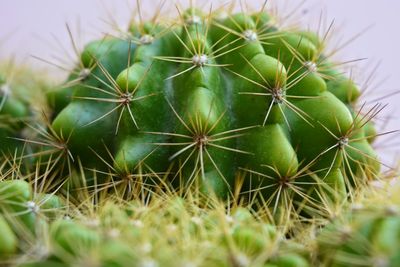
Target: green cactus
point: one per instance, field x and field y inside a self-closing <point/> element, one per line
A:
<point x="213" y="100"/>
<point x="222" y="138"/>
<point x="366" y="235"/>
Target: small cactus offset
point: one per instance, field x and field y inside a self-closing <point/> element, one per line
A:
<point x="213" y="138"/>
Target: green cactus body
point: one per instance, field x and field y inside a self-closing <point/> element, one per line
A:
<point x="215" y="98"/>
<point x="221" y="139"/>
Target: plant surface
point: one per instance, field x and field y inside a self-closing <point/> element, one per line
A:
<point x="219" y="136"/>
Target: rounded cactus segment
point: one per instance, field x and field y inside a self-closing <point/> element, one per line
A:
<point x="291" y="48"/>
<point x="310" y="85"/>
<point x="261" y="91"/>
<point x="250" y="240"/>
<point x="14" y="192"/>
<point x="322" y="140"/>
<point x="344" y="89"/>
<point x="8" y="240"/>
<point x="72" y="238"/>
<point x="271" y="151"/>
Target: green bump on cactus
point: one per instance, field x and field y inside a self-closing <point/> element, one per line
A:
<point x="15" y="191"/>
<point x="70" y="238"/>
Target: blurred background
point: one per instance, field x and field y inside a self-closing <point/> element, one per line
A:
<point x="366" y="30"/>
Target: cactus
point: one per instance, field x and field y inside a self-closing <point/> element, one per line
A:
<point x="12" y="110"/>
<point x="225" y="139"/>
<point x="24" y="217"/>
<point x="128" y="234"/>
<point x="216" y="102"/>
<point x="21" y="96"/>
<point x="367" y="234"/>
